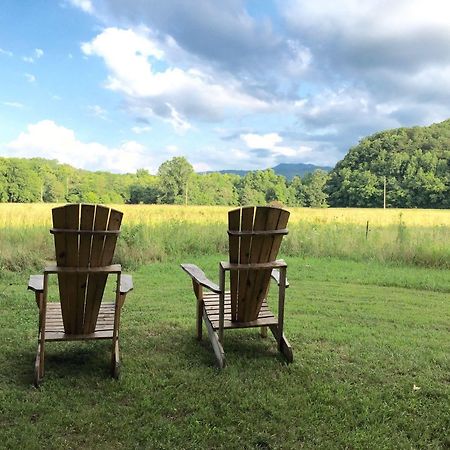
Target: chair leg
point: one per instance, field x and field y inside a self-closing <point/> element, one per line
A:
<point x="216" y="345"/>
<point x="115" y="360"/>
<point x="38" y="373"/>
<point x="199" y="319"/>
<point x="283" y="344"/>
<point x="263" y="332"/>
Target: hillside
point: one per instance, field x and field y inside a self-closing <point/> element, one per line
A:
<point x="414" y="161"/>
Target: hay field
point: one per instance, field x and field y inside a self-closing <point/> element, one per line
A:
<point x="171" y="233"/>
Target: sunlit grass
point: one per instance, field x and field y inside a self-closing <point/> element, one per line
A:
<point x="29" y="215"/>
<point x="163" y="233"/>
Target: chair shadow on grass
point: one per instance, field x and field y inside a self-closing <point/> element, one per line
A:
<point x="62" y="360"/>
<point x="168" y="341"/>
<point x="241" y="346"/>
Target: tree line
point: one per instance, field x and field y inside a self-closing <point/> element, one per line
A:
<point x="41" y="180"/>
<point x="411" y="164"/>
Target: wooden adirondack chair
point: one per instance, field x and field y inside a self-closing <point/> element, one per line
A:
<point x="255" y="236"/>
<point x="85" y="240"/>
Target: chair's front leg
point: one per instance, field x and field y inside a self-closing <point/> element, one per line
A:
<point x="198" y="290"/>
<point x="42" y="315"/>
<point x="281" y="298"/>
<point x="115" y="358"/>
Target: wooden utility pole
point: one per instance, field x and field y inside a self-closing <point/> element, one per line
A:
<point x="186" y="194"/>
<point x="384" y="194"/>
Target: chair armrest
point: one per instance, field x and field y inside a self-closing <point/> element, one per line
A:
<point x="126" y="284"/>
<point x="36" y="283"/>
<point x="199" y="277"/>
<point x="276" y="276"/>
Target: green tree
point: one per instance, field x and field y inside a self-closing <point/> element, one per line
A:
<point x="212" y="189"/>
<point x="314" y="190"/>
<point x="173" y="180"/>
<point x="415" y="162"/>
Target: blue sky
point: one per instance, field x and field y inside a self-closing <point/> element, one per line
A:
<point x="239" y="84"/>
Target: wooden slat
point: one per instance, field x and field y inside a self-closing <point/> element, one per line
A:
<point x="211" y="311"/>
<point x="113" y="268"/>
<point x="85" y="241"/>
<point x="54" y="327"/>
<point x="255" y="266"/>
<point x="261" y="215"/>
<point x="244" y="258"/>
<point x="114" y="222"/>
<point x="234" y="221"/>
<point x="60" y="336"/>
<point x="282" y="223"/>
<point x="92" y="299"/>
<point x="262" y="277"/>
<point x="268" y="232"/>
<point x="81" y="232"/>
<point x="228" y="324"/>
<point x="72" y="222"/>
<point x="59" y="221"/>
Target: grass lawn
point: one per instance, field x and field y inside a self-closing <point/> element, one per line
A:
<point x="363" y="334"/>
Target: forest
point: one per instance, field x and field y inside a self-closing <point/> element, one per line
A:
<point x="413" y="164"/>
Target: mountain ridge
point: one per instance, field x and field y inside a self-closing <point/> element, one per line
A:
<point x="288" y="170"/>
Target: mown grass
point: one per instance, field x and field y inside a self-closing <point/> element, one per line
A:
<point x="364" y="334"/>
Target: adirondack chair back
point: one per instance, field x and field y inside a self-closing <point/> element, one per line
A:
<point x="85" y="236"/>
<point x="255" y="235"/>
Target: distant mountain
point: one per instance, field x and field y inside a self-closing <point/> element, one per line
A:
<point x="287" y="170"/>
<point x="291" y="170"/>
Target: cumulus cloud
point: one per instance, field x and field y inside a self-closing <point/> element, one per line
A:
<point x="271" y="142"/>
<point x="339" y="70"/>
<point x="84" y="5"/>
<point x="223" y="34"/>
<point x="153" y="87"/>
<point x="46" y="139"/>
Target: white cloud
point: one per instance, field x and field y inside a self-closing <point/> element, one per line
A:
<point x="270" y="142"/>
<point x="141" y="130"/>
<point x="140" y="71"/>
<point x="97" y="111"/>
<point x="13" y="104"/>
<point x="5" y="52"/>
<point x="30" y="78"/>
<point x="84" y="5"/>
<point x="38" y="53"/>
<point x="46" y="139"/>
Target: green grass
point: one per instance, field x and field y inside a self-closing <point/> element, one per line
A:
<point x="363" y="334"/>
